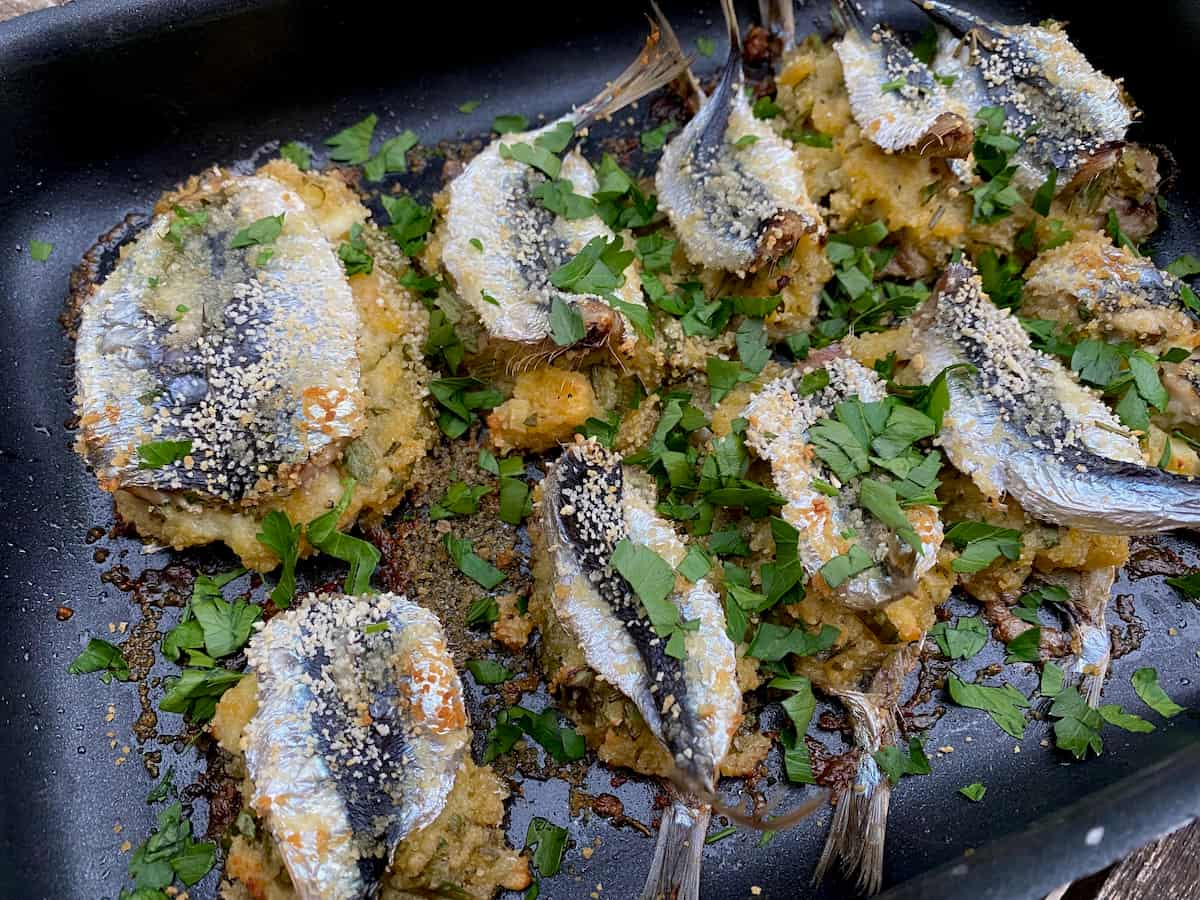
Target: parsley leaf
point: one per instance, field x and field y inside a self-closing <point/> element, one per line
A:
<point x="297" y="154"/>
<point x="706" y="46"/>
<point x="353" y="253"/>
<point x="533" y="155"/>
<point x="981" y="545"/>
<point x="392" y="156"/>
<point x="799" y="707"/>
<point x="839" y="569"/>
<point x="362" y="556"/>
<point x="879" y="499"/>
<point x="1024" y="647"/>
<point x="1112" y="228"/>
<point x="40" y="251"/>
<point x="1189" y="584"/>
<point x="469" y="106"/>
<point x="566" y="322"/>
<point x="227" y="626"/>
<point x="1114" y="715"/>
<point x="547" y="841"/>
<point x="170" y="852"/>
<point x="353" y="144"/>
<point x="1145" y="683"/>
<point x="486" y="671"/>
<point x="460" y="499"/>
<point x="483" y="611"/>
<point x="773" y="642"/>
<point x="653" y="580"/>
<point x="283" y="538"/>
<point x="558" y="195"/>
<point x="260" y="231"/>
<point x="470" y="564"/>
<point x="562" y="743"/>
<point x="196" y="691"/>
<point x="505" y="124"/>
<point x="766" y="108"/>
<point x="103" y="657"/>
<point x="1078" y="727"/>
<point x="1003" y="704"/>
<point x="183" y="220"/>
<point x="1185" y="266"/>
<point x="973" y="792"/>
<point x="515" y="502"/>
<point x="156" y="454"/>
<point x="895" y="763"/>
<point x="596" y="269"/>
<point x="410" y="222"/>
<point x="654" y="139"/>
<point x="963" y="639"/>
<point x="1044" y="195"/>
<point x="654" y="250"/>
<point x="1052" y="680"/>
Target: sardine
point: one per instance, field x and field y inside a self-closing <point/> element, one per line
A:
<point x="1063" y="110"/>
<point x="895" y="98"/>
<point x="358" y="736"/>
<point x="778" y="431"/>
<point x="1019" y="423"/>
<point x="779" y="18"/>
<point x="858" y="831"/>
<point x="502" y="245"/>
<point x="249" y="364"/>
<point x="733" y="189"/>
<point x="590" y="502"/>
<point x="1106" y="292"/>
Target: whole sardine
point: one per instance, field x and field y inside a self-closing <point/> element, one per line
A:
<point x="1107" y="292"/>
<point x="359" y="732"/>
<point x="733" y="189"/>
<point x="245" y="362"/>
<point x="895" y="98"/>
<point x="780" y="419"/>
<point x="502" y="244"/>
<point x="1056" y="103"/>
<point x="590" y="502"/>
<point x="1019" y="423"/>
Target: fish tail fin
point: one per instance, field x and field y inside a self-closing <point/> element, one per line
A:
<point x="731" y="25"/>
<point x="660" y="60"/>
<point x="675" y="871"/>
<point x="779" y="17"/>
<point x="957" y="20"/>
<point x="847" y="16"/>
<point x="1094" y="656"/>
<point x="670" y="37"/>
<point x="859" y="829"/>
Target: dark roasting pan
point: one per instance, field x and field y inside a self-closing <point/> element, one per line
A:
<point x="103" y="105"/>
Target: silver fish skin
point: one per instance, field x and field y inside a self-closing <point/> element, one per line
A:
<point x="733" y="207"/>
<point x="358" y="736"/>
<point x="522" y="242"/>
<point x="1064" y="110"/>
<point x="858" y="832"/>
<point x="590" y="502"/>
<point x="255" y="365"/>
<point x="921" y="116"/>
<point x="1120" y="295"/>
<point x="779" y="420"/>
<point x="1021" y="425"/>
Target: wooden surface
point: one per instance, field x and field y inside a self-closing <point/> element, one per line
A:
<point x="1167" y="869"/>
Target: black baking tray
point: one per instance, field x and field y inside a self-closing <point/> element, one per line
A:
<point x="104" y="105"/>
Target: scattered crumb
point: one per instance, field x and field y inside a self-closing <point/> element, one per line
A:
<point x="1172" y="631"/>
<point x="947" y="749"/>
<point x="125" y="847"/>
<point x="587" y="852"/>
<point x="755" y="890"/>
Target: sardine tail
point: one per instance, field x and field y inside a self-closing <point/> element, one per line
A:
<point x="731" y="25"/>
<point x="675" y="871"/>
<point x="847" y="16"/>
<point x="859" y="829"/>
<point x="660" y="60"/>
<point x="957" y="20"/>
<point x="779" y="17"/>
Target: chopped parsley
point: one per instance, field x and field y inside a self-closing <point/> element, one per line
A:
<point x="460" y="499"/>
<point x="280" y="536"/>
<point x="515" y="501"/>
<point x="1024" y="647"/>
<point x="773" y="642"/>
<point x="720" y="834"/>
<point x="963" y="639"/>
<point x="558" y="195"/>
<point x="103" y="657"/>
<point x="746" y="140"/>
<point x="410" y="222"/>
<point x="260" y="231"/>
<point x="363" y="556"/>
<point x="157" y="454"/>
<point x="469" y="106"/>
<point x="563" y="743"/>
<point x="1077" y="728"/>
<point x="1052" y="680"/>
<point x="652" y="579"/>
<point x="183" y="220"/>
<point x="547" y="841"/>
<point x="169" y="853"/>
<point x="297" y="154"/>
<point x="1044" y="195"/>
<point x="40" y="250"/>
<point x="619" y="202"/>
<point x="597" y="269"/>
<point x="1185" y="266"/>
<point x="533" y="155"/>
<point x="1001" y="276"/>
<point x="1112" y="227"/>
<point x="1003" y="704"/>
<point x="392" y="156"/>
<point x="655" y="252"/>
<point x="1188" y="584"/>
<point x="766" y="108"/>
<point x="1114" y="715"/>
<point x="486" y="671"/>
<point x="896" y="762"/>
<point x="506" y="124"/>
<point x="470" y="564"/>
<point x="799" y="707"/>
<point x="483" y="611"/>
<point x="996" y="197"/>
<point x="460" y="399"/>
<point x="973" y="792"/>
<point x="510" y="466"/>
<point x="1145" y="683"/>
<point x="654" y="139"/>
<point x="353" y="253"/>
<point x="352" y="145"/>
<point x="896" y="84"/>
<point x="695" y="565"/>
<point x="706" y="46"/>
<point x="981" y="545"/>
<point x="566" y="322"/>
<point x="809" y="138"/>
<point x="195" y="693"/>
